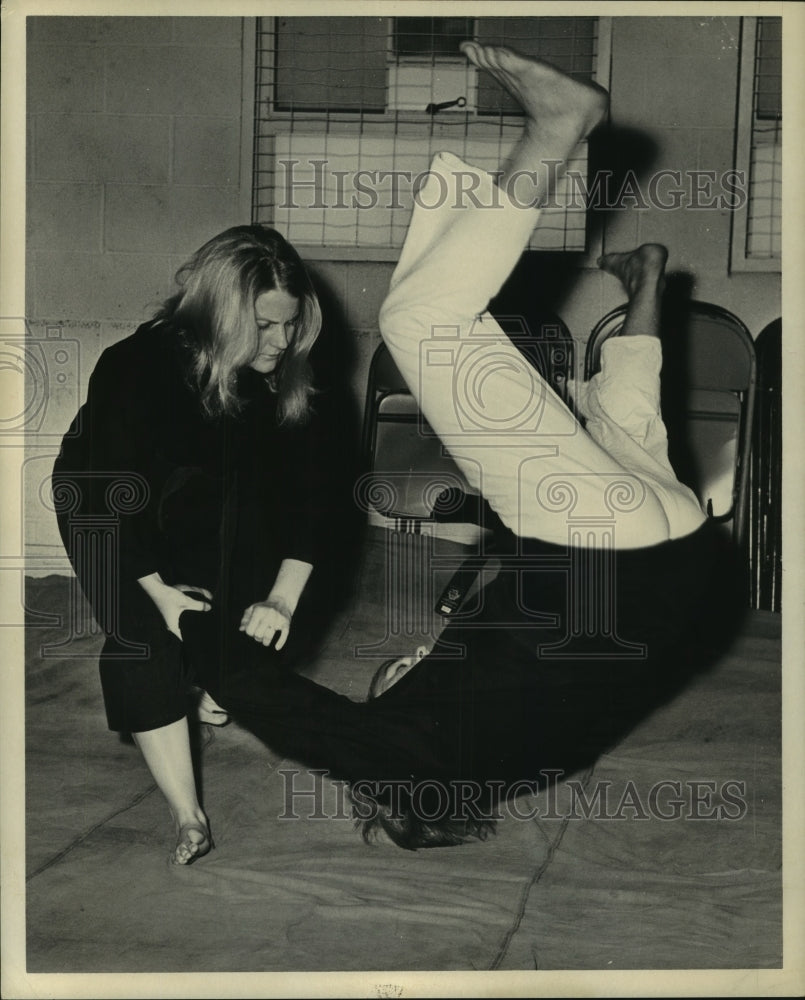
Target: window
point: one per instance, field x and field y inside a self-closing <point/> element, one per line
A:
<point x="350" y="110"/>
<point x="430" y="37"/>
<point x="757" y="227"/>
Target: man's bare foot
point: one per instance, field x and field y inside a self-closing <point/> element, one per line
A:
<point x="638" y="270"/>
<point x="193" y="841"/>
<point x="555" y="104"/>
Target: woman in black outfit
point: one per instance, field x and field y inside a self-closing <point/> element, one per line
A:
<point x="197" y="440"/>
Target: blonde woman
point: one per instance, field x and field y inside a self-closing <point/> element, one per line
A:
<point x="197" y="438"/>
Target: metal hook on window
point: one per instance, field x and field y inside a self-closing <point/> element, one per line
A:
<point x="459" y="102"/>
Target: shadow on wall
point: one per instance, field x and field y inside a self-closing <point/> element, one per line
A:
<point x="619" y="160"/>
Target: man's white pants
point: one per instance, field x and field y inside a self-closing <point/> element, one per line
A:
<point x="507" y="430"/>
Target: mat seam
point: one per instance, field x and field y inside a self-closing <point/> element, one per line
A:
<point x="88" y="833"/>
<point x="535" y="878"/>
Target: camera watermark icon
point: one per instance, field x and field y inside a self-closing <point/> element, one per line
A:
<point x="493" y="385"/>
<point x="40" y="389"/>
<point x="41" y="372"/>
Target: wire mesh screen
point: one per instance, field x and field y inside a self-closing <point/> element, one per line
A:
<point x="350" y="111"/>
<point x="764" y="229"/>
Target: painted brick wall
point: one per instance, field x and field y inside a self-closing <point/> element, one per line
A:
<point x="133" y="161"/>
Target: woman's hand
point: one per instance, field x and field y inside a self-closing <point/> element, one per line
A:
<point x="171" y="601"/>
<point x="271" y="618"/>
<point x="266" y="620"/>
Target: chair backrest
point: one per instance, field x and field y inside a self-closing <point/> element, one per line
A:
<point x="765" y="475"/>
<point x="709" y="374"/>
<point x="410" y="465"/>
<point x="548" y="346"/>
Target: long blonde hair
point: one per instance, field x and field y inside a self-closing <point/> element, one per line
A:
<point x="214" y="311"/>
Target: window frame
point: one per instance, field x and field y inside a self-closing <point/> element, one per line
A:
<point x="321" y="119"/>
<point x="740" y="261"/>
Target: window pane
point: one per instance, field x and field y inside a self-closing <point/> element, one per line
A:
<point x="769" y="68"/>
<point x="431" y="36"/>
<point x="342" y="131"/>
<point x="570" y="43"/>
<point x="331" y="64"/>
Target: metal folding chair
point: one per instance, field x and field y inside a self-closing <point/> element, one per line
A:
<point x="412" y="478"/>
<point x="708" y="399"/>
<point x="765" y="524"/>
<point x="407" y="463"/>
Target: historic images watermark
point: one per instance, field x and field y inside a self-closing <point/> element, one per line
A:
<point x="316" y="184"/>
<point x="307" y="797"/>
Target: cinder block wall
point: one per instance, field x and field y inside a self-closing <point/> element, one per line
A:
<point x="136" y="156"/>
<point x="134" y="160"/>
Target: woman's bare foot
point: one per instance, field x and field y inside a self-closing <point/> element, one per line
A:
<point x="637" y="269"/>
<point x="193" y="841"/>
<point x="208" y="710"/>
<point x="560" y="111"/>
